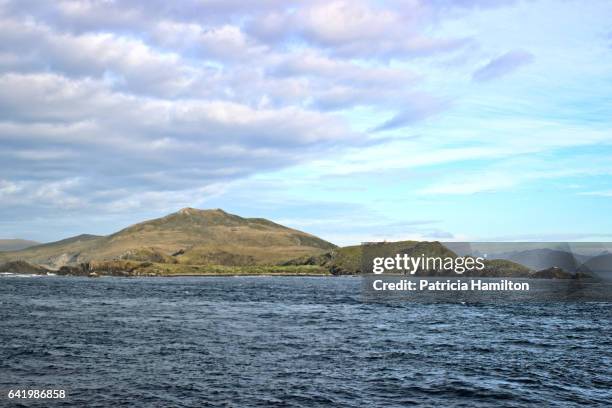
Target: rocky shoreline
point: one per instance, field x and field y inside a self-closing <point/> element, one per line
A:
<point x="123" y="268"/>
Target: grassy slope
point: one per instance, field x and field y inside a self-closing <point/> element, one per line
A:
<point x="348" y="260"/>
<point x="164" y="269"/>
<point x="202" y="237"/>
<point x="60" y="252"/>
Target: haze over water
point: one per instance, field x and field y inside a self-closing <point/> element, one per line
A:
<point x="293" y="341"/>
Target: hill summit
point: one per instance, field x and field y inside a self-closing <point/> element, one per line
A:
<point x="189" y="235"/>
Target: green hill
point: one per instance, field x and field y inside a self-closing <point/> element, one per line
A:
<point x="189" y="236"/>
<point x="352" y="260"/>
<point x="349" y="260"/>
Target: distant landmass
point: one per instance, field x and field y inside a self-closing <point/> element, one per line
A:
<point x="546" y="258"/>
<point x="16" y="244"/>
<point x="203" y="242"/>
<point x="599" y="265"/>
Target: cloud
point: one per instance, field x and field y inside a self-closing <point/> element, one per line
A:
<point x="522" y="169"/>
<point x="339" y="84"/>
<point x="186" y="60"/>
<point x="503" y="65"/>
<point x="356" y="29"/>
<point x="419" y="108"/>
<point x="315" y="64"/>
<point x="58" y="194"/>
<point x="472" y="184"/>
<point x="54" y="129"/>
<point x="601" y="193"/>
<point x="8" y="188"/>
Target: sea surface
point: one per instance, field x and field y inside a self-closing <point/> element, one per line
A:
<point x="292" y="342"/>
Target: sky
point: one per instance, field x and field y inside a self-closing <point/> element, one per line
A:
<point x="352" y="120"/>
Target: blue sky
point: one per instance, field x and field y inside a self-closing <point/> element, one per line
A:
<point x="355" y="121"/>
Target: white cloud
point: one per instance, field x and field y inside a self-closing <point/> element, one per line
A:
<point x="601" y="193"/>
<point x="503" y="65"/>
<point x="357" y="29"/>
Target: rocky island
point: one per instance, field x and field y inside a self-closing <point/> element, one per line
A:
<point x="214" y="242"/>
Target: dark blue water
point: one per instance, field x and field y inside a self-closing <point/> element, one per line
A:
<point x="292" y="341"/>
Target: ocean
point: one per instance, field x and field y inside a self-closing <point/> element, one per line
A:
<point x="292" y="342"/>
